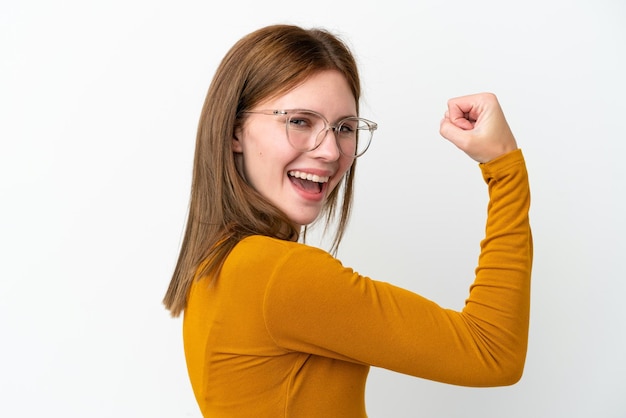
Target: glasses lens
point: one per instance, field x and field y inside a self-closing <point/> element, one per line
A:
<point x="303" y="128"/>
<point x="354" y="136"/>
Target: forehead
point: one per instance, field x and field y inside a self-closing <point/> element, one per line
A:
<point x="326" y="92"/>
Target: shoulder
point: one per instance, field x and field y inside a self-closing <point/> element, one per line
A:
<point x="260" y="243"/>
<point x="271" y="253"/>
<point x="279" y="258"/>
<point x="262" y="246"/>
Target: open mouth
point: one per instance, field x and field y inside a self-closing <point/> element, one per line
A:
<point x="308" y="182"/>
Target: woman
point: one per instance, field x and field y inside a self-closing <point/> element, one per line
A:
<point x="276" y="328"/>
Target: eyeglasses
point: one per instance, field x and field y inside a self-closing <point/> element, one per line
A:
<point x="306" y="130"/>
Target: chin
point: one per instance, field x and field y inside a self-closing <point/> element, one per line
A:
<point x="304" y="220"/>
<point x="302" y="223"/>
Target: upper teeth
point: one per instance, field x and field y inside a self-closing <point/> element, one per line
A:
<point x="308" y="176"/>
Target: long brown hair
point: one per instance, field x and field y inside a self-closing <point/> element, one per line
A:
<point x="224" y="208"/>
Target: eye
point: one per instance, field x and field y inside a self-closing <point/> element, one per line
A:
<point x="301" y="121"/>
<point x="348" y="128"/>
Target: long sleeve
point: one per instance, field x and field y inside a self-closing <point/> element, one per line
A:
<point x="315" y="305"/>
<point x="286" y="330"/>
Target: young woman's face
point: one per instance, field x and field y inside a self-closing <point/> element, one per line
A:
<point x="276" y="169"/>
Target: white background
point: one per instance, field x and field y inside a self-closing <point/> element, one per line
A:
<point x="99" y="103"/>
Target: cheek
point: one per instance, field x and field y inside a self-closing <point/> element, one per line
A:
<point x="344" y="166"/>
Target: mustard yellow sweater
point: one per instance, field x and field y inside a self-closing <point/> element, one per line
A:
<point x="287" y="331"/>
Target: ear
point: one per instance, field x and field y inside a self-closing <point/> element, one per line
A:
<point x="236" y="143"/>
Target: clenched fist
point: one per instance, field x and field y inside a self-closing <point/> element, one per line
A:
<point x="477" y="126"/>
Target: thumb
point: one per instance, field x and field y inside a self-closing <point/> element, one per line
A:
<point x="454" y="131"/>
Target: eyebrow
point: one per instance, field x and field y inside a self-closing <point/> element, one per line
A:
<point x="317" y="111"/>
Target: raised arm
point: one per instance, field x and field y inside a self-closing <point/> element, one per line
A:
<point x="315" y="305"/>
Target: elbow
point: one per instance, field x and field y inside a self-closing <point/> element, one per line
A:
<point x="491" y="376"/>
<point x="512" y="376"/>
<point x="498" y="370"/>
<point x="510" y="372"/>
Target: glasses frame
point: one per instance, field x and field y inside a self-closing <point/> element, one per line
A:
<point x="327" y="126"/>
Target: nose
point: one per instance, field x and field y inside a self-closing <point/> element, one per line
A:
<point x="328" y="148"/>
